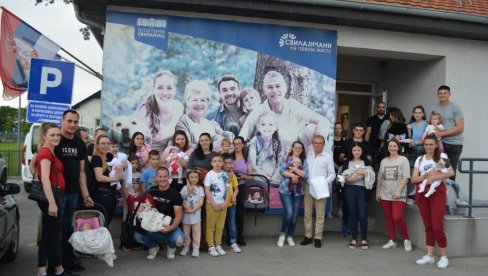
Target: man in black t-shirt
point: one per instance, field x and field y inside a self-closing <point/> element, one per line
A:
<point x="358" y="133"/>
<point x="373" y="127"/>
<point x="72" y="152"/>
<point x="168" y="201"/>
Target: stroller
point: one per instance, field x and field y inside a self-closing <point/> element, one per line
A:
<point x="257" y="197"/>
<point x="90" y="234"/>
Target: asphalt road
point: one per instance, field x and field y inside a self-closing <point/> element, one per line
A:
<point x="260" y="257"/>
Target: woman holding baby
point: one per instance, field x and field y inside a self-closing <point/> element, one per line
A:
<point x="432" y="208"/>
<point x="105" y="186"/>
<point x="355" y="194"/>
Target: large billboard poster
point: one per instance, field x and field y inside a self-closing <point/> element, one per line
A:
<point x="270" y="84"/>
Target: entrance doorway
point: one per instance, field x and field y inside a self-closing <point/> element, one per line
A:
<point x="355" y="103"/>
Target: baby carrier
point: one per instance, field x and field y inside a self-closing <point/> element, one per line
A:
<point x="90" y="234"/>
<point x="257" y="197"/>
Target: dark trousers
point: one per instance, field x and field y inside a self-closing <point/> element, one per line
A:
<point x="241" y="197"/>
<point x="50" y="246"/>
<point x="358" y="210"/>
<point x="108" y="199"/>
<point x="453" y="153"/>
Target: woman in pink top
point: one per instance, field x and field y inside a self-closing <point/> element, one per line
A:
<point x="242" y="169"/>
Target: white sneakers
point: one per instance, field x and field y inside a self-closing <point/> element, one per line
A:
<point x="425" y="260"/>
<point x="407" y="244"/>
<point x="216" y="251"/>
<point x="442" y="263"/>
<point x="170" y="253"/>
<point x="290" y="241"/>
<point x="389" y="244"/>
<point x="212" y="251"/>
<point x="235" y="248"/>
<point x="281" y="241"/>
<point x="153" y="252"/>
<point x="195" y="253"/>
<point x="220" y="250"/>
<point x="184" y="251"/>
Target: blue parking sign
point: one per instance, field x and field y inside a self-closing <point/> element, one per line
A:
<point x="51" y="81"/>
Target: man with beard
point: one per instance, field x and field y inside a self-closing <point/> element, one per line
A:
<point x="373" y="128"/>
<point x="227" y="114"/>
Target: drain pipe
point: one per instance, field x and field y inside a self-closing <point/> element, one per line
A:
<point x="348" y="4"/>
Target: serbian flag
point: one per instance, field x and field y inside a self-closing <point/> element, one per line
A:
<point x="19" y="42"/>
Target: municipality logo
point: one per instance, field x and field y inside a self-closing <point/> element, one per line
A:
<point x="290" y="40"/>
<point x="285" y="37"/>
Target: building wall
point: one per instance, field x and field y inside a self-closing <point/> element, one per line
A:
<point x="90" y="114"/>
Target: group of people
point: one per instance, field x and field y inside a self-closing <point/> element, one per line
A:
<point x="183" y="179"/>
<point x="392" y="146"/>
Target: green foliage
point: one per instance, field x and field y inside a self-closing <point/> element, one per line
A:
<point x="9" y="117"/>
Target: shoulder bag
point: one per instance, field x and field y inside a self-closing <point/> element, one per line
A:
<point x="37" y="191"/>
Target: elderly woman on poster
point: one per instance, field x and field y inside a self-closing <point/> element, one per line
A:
<point x="161" y="111"/>
<point x="296" y="121"/>
<point x="193" y="122"/>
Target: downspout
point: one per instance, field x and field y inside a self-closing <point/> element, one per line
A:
<point x="349" y="4"/>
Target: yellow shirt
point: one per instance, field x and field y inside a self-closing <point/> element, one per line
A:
<point x="233" y="186"/>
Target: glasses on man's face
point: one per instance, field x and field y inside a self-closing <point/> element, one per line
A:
<point x="105" y="144"/>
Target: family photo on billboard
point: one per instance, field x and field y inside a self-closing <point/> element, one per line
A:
<point x="214" y="83"/>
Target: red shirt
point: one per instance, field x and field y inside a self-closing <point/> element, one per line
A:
<point x="45" y="153"/>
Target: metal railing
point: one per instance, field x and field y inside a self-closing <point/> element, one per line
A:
<point x="12" y="160"/>
<point x="471" y="171"/>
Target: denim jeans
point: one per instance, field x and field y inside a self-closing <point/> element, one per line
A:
<point x="67" y="206"/>
<point x="230" y="224"/>
<point x="291" y="205"/>
<point x="150" y="240"/>
<point x="358" y="210"/>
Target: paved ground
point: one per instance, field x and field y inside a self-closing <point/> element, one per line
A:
<point x="260" y="257"/>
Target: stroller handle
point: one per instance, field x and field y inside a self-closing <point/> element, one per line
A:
<point x="263" y="177"/>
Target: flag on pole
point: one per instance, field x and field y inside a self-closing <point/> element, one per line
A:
<point x="19" y="42"/>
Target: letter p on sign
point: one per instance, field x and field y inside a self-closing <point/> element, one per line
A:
<point x="46" y="81"/>
<point x="51" y="81"/>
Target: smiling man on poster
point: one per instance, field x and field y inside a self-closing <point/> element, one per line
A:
<point x="227" y="114"/>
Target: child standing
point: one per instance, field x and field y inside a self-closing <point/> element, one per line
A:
<point x="230" y="220"/>
<point x="217" y="192"/>
<point x="193" y="197"/>
<point x="435" y="124"/>
<point x="148" y="174"/>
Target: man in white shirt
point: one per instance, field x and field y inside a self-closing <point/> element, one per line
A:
<point x="319" y="164"/>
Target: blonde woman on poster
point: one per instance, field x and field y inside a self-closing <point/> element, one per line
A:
<point x="161" y="111"/>
<point x="193" y="122"/>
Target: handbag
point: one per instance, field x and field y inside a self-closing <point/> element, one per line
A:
<point x="37" y="191"/>
<point x="127" y="230"/>
<point x="319" y="188"/>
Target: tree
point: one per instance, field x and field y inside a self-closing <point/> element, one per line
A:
<point x="9" y="118"/>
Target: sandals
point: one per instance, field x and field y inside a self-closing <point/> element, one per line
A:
<point x="364" y="244"/>
<point x="353" y="244"/>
